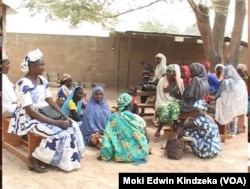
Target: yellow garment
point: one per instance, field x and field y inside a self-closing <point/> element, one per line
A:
<point x="72" y="105"/>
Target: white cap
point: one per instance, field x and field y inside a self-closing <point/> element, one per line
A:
<point x="4" y="56"/>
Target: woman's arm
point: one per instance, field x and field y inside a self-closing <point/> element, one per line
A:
<point x="188" y="123"/>
<point x="40" y="117"/>
<point x="52" y="103"/>
<point x="74" y="115"/>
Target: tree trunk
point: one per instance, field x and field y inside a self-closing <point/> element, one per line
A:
<point x="203" y="23"/>
<point x="234" y="47"/>
<point x="221" y="12"/>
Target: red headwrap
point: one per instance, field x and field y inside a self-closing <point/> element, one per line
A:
<point x="207" y="64"/>
<point x="186" y="70"/>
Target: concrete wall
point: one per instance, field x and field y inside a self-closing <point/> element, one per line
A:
<point x="111" y="60"/>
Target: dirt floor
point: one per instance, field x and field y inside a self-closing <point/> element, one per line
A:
<point x="104" y="175"/>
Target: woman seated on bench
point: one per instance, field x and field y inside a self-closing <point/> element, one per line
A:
<point x="231" y="99"/>
<point x="169" y="91"/>
<point x="197" y="89"/>
<point x="214" y="79"/>
<point x="204" y="132"/>
<point x="62" y="144"/>
<point x="9" y="99"/>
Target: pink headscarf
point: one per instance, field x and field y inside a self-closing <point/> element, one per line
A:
<point x="186" y="70"/>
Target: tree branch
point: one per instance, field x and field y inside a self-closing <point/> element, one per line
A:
<point x="192" y="4"/>
<point x="135" y="9"/>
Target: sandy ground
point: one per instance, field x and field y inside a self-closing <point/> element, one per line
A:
<point x="104" y="175"/>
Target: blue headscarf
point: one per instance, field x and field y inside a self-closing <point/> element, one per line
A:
<point x="65" y="106"/>
<point x="95" y="115"/>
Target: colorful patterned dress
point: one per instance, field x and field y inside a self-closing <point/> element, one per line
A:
<point x="60" y="148"/>
<point x="206" y="141"/>
<point x="124" y="138"/>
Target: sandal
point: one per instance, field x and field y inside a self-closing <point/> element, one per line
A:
<point x="150" y="151"/>
<point x="155" y="122"/>
<point x="99" y="158"/>
<point x="35" y="166"/>
<point x="156" y="137"/>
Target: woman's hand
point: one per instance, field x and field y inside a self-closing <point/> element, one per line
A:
<point x="167" y="90"/>
<point x="64" y="124"/>
<point x="64" y="117"/>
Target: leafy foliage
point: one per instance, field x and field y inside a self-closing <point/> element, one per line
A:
<point x="74" y="11"/>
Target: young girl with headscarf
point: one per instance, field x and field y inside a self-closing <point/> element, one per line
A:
<point x="65" y="89"/>
<point x="197" y="89"/>
<point x="125" y="138"/>
<point x="73" y="107"/>
<point x="160" y="68"/>
<point x="231" y="98"/>
<point x="214" y="79"/>
<point x="95" y="117"/>
<point x="204" y="132"/>
<point x="169" y="91"/>
<point x="185" y="75"/>
<point x="160" y="71"/>
<point x="242" y="71"/>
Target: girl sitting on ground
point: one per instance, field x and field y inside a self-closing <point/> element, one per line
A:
<point x="204" y="132"/>
<point x="73" y="106"/>
<point x="125" y="138"/>
<point x="95" y="118"/>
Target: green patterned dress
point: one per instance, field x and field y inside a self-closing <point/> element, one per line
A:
<point x="124" y="138"/>
<point x="170" y="110"/>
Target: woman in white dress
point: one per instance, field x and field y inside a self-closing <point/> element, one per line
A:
<point x="9" y="100"/>
<point x="63" y="145"/>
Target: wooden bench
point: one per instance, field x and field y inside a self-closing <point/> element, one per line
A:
<point x="19" y="146"/>
<point x="143" y="106"/>
<point x="241" y="124"/>
<point x="145" y="93"/>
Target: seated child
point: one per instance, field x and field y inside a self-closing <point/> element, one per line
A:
<point x="74" y="106"/>
<point x="133" y="92"/>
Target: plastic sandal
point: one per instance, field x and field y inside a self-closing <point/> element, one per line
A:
<point x="35" y="166"/>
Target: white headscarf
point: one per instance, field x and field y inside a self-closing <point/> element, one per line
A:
<point x="165" y="98"/>
<point x="242" y="67"/>
<point x="32" y="56"/>
<point x="219" y="65"/>
<point x="161" y="67"/>
<point x="4" y="56"/>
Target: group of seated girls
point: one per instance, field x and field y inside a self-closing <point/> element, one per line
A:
<point x="177" y="93"/>
<point x="120" y="136"/>
<point x="173" y="97"/>
<point x="228" y="83"/>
